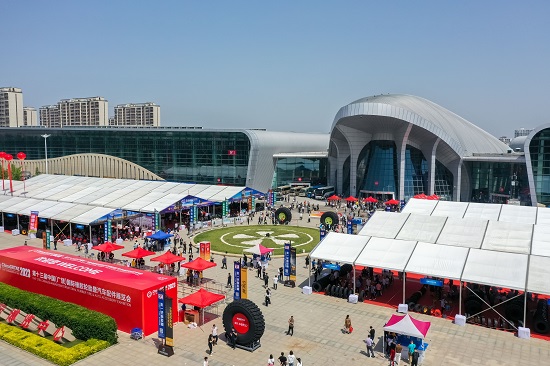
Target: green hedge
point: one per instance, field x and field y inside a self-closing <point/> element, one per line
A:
<point x="47" y="349"/>
<point x="85" y="324"/>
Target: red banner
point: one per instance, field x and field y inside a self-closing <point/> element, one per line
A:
<point x="204" y="249"/>
<point x="128" y="295"/>
<point x="33" y="222"/>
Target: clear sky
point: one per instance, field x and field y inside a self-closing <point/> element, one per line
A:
<point x="283" y="65"/>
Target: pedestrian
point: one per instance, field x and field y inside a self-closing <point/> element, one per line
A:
<point x="266" y="280"/>
<point x="370" y="347"/>
<point x="258" y="270"/>
<point x="347" y="325"/>
<point x="210" y="343"/>
<point x="270" y="361"/>
<point x="215" y="334"/>
<point x="412" y="348"/>
<point x="282" y="359"/>
<point x="275" y="280"/>
<point x="291" y="359"/>
<point x="392" y="353"/>
<point x="205" y="363"/>
<point x="371" y="333"/>
<point x="415" y="356"/>
<point x="398" y="350"/>
<point x="229" y="283"/>
<point x="233" y="338"/>
<point x="298" y="361"/>
<point x="290" y="330"/>
<point x="224" y="262"/>
<point x="307" y="261"/>
<point x="267" y="297"/>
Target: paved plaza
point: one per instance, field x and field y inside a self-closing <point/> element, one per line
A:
<point x="317" y="340"/>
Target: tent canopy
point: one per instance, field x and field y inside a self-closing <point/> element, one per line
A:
<point x="108" y="247"/>
<point x="341" y="248"/>
<point x="167" y="258"/>
<point x="408" y="326"/>
<point x="437" y="260"/>
<point x="386" y="253"/>
<point x="199" y="264"/>
<point x="201" y="298"/>
<point x="160" y="235"/>
<point x="258" y="249"/>
<point x="138" y="253"/>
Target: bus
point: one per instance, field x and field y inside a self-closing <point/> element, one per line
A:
<point x="301" y="191"/>
<point x="324" y="192"/>
<point x="282" y="190"/>
<point x="310" y="192"/>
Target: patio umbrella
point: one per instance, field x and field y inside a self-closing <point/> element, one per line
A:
<point x="167" y="258"/>
<point x="351" y="199"/>
<point x="258" y="249"/>
<point x="371" y="199"/>
<point x="199" y="264"/>
<point x="392" y="202"/>
<point x="333" y="198"/>
<point x="108" y="247"/>
<point x="138" y="253"/>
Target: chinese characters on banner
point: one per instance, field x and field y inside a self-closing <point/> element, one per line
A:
<point x="204" y="250"/>
<point x="225" y="211"/>
<point x="292" y="264"/>
<point x="249" y="202"/>
<point x="33" y="222"/>
<point x="169" y="321"/>
<point x="322" y="232"/>
<point x="161" y="315"/>
<point x="244" y="283"/>
<point x="108" y="230"/>
<point x="350" y="227"/>
<point x="236" y="280"/>
<point x="286" y="265"/>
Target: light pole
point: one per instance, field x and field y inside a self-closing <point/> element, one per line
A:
<point x="46" y="150"/>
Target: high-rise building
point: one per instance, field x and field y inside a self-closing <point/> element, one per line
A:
<point x="11" y="107"/>
<point x="30" y="116"/>
<point x="522" y="132"/>
<point x="49" y="116"/>
<point x="505" y="139"/>
<point x="141" y="114"/>
<point x="83" y="112"/>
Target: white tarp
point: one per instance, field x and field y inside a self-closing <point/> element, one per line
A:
<point x="518" y="214"/>
<point x="437" y="260"/>
<point x="420" y="206"/>
<point x="504" y="237"/>
<point x="543" y="216"/>
<point x="5" y="205"/>
<point x="163" y="203"/>
<point x="92" y="215"/>
<point x="537" y="281"/>
<point x="40" y="206"/>
<point x="422" y="228"/>
<point x="384" y="224"/>
<point x="386" y="253"/>
<point x="342" y="248"/>
<point x="462" y="232"/>
<point x="541" y="241"/>
<point x="450" y="209"/>
<point x="493" y="268"/>
<point x="484" y="211"/>
<point x="56" y="209"/>
<point x="73" y="212"/>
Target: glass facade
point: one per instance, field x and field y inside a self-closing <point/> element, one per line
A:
<point x="539" y="150"/>
<point x="300" y="169"/>
<point x="499" y="182"/>
<point x="346" y="172"/>
<point x="182" y="155"/>
<point x="377" y="167"/>
<point x="416" y="172"/>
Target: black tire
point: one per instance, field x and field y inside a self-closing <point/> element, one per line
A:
<point x="361" y="296"/>
<point x="256" y="321"/>
<point x="411" y="306"/>
<point x="327" y="290"/>
<point x="330" y="219"/>
<point x="341" y="292"/>
<point x="335" y="290"/>
<point x="514" y="311"/>
<point x="472" y="306"/>
<point x="283" y="215"/>
<point x="418" y="308"/>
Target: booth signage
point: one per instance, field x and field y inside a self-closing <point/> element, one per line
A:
<point x="431" y="282"/>
<point x="286" y="265"/>
<point x="236" y="280"/>
<point x="244" y="283"/>
<point x="241" y="323"/>
<point x="128" y="295"/>
<point x="204" y="250"/>
<point x="322" y="232"/>
<point x="161" y="315"/>
<point x="350" y="227"/>
<point x="169" y="321"/>
<point x="33" y="222"/>
<point x="332" y="266"/>
<point x="293" y="264"/>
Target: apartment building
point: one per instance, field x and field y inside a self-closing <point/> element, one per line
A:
<point x="11" y="107"/>
<point x="83" y="112"/>
<point x="49" y="116"/>
<point x="140" y="114"/>
<point x="30" y="116"/>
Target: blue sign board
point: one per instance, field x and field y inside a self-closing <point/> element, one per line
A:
<point x="431" y="282"/>
<point x="237" y="280"/>
<point x="287" y="260"/>
<point x="322" y="232"/>
<point x="331" y="266"/>
<point x="162" y="329"/>
<point x="350" y="227"/>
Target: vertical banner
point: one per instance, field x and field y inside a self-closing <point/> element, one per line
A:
<point x="322" y="232"/>
<point x="201" y="249"/>
<point x="286" y="265"/>
<point x="224" y="208"/>
<point x="33" y="222"/>
<point x="157" y="221"/>
<point x="350" y="227"/>
<point x="169" y="321"/>
<point x="204" y="250"/>
<point x="106" y="231"/>
<point x="237" y="280"/>
<point x="161" y="315"/>
<point x="274" y="199"/>
<point x="293" y="264"/>
<point x="48" y="239"/>
<point x="244" y="283"/>
<point x="269" y="198"/>
<point x="249" y="202"/>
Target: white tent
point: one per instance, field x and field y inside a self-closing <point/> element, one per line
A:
<point x="338" y="247"/>
<point x="437" y="260"/>
<point x="407" y="326"/>
<point x="386" y="253"/>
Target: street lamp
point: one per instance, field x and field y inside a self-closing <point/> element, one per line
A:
<point x="46" y="150"/>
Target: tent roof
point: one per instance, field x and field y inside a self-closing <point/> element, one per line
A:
<point x="202" y="298"/>
<point x="92" y="215"/>
<point x="199" y="264"/>
<point x="338" y="247"/>
<point x="139" y="252"/>
<point x="258" y="249"/>
<point x="167" y="258"/>
<point x="538" y="275"/>
<point x="384" y="224"/>
<point x="160" y="235"/>
<point x="437" y="260"/>
<point x="386" y="253"/>
<point x="463" y="232"/>
<point x="422" y="228"/>
<point x="408" y="326"/>
<point x="488" y="267"/>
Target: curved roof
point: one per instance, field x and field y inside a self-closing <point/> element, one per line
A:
<point x="462" y="136"/>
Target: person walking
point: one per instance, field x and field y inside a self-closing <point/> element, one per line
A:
<point x="267" y="297"/>
<point x="210" y="343"/>
<point x="224" y="262"/>
<point x="215" y="334"/>
<point x="371" y="333"/>
<point x="412" y="348"/>
<point x="266" y="280"/>
<point x="398" y="350"/>
<point x="290" y="330"/>
<point x="347" y="325"/>
<point x="229" y="283"/>
<point x="275" y="281"/>
<point x="205" y="362"/>
<point x="298" y="361"/>
<point x="271" y="361"/>
<point x="415" y="356"/>
<point x="282" y="359"/>
<point x="370" y="347"/>
<point x="291" y="359"/>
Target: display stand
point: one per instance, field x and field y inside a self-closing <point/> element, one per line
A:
<point x="251" y="347"/>
<point x="165" y="350"/>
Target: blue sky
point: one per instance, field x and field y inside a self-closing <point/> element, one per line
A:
<point x="283" y="65"/>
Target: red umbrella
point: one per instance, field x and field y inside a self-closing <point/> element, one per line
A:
<point x="351" y="199"/>
<point x="392" y="202"/>
<point x="333" y="198"/>
<point x="167" y="258"/>
<point x="108" y="247"/>
<point x="421" y="196"/>
<point x="201" y="298"/>
<point x="371" y="199"/>
<point x="138" y="253"/>
<point x="199" y="264"/>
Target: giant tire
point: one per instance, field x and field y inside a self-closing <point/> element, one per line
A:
<point x="335" y="290"/>
<point x="329" y="219"/>
<point x="473" y="306"/>
<point x="327" y="290"/>
<point x="256" y="321"/>
<point x="540" y="319"/>
<point x="283" y="215"/>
